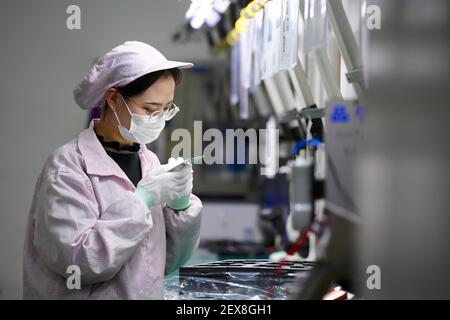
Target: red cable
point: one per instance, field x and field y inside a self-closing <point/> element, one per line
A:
<point x="296" y="247"/>
<point x="293" y="249"/>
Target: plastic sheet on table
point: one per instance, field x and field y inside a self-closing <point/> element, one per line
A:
<point x="248" y="279"/>
<point x="199" y="288"/>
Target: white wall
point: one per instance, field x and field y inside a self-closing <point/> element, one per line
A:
<point x="41" y="62"/>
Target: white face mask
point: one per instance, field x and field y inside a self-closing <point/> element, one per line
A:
<point x="143" y="129"/>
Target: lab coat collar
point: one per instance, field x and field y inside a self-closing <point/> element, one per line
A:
<point x="97" y="160"/>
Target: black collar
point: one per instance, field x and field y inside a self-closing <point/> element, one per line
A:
<point x="114" y="146"/>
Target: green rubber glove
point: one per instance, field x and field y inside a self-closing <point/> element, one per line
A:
<point x="144" y="196"/>
<point x="180" y="204"/>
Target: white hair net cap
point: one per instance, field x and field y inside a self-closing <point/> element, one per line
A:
<point x="122" y="65"/>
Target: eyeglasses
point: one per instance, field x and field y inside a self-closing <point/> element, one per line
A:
<point x="166" y="114"/>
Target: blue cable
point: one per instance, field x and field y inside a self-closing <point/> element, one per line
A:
<point x="303" y="143"/>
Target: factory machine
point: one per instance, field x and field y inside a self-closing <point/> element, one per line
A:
<point x="358" y="193"/>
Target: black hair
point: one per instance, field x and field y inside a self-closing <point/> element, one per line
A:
<point x="143" y="83"/>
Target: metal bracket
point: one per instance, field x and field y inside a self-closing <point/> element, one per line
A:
<point x="315" y="113"/>
<point x="355" y="76"/>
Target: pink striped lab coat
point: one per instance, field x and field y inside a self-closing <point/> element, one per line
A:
<point x="84" y="213"/>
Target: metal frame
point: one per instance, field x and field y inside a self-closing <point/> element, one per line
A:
<point x="348" y="46"/>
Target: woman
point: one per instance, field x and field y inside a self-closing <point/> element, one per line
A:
<point x="103" y="204"/>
